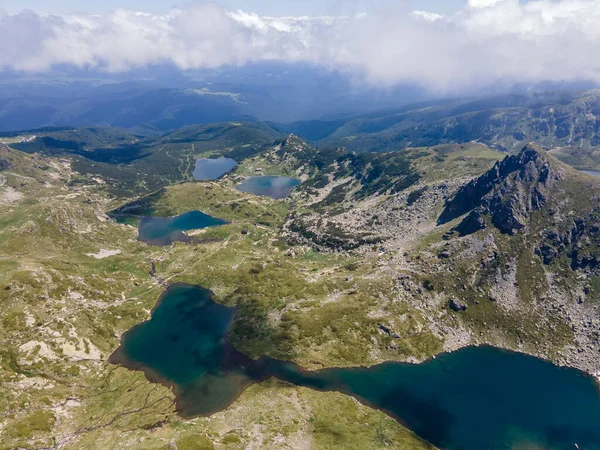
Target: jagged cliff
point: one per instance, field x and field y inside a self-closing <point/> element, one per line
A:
<point x="507" y="193"/>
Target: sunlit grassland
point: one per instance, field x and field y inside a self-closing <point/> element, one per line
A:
<point x="52" y="293"/>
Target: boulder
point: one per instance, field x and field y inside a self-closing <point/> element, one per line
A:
<point x="457" y="305"/>
<point x="548" y="254"/>
<point x="471" y="224"/>
<point x="444" y="254"/>
<point x="4" y="164"/>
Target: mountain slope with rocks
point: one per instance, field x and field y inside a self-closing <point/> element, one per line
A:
<point x="508" y="193"/>
<point x="73" y="281"/>
<point x="509" y="255"/>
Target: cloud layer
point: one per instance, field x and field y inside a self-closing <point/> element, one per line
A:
<point x="485" y="43"/>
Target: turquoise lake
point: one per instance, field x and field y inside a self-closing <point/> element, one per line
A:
<point x="164" y="231"/>
<point x="211" y="169"/>
<point x="269" y="186"/>
<point x="475" y="398"/>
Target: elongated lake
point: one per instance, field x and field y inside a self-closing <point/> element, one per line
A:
<point x="476" y="398"/>
<point x="211" y="169"/>
<point x="269" y="186"/>
<point x="164" y="231"/>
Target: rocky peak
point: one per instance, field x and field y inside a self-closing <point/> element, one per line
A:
<point x="294" y="143"/>
<point x="506" y="194"/>
<point x="294" y="147"/>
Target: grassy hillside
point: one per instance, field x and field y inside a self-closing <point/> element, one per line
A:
<point x="72" y="281"/>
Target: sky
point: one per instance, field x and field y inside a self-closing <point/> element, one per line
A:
<point x="442" y="46"/>
<point x="261" y="7"/>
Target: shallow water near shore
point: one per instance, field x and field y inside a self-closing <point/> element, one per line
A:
<point x="164" y="231"/>
<point x="475" y="398"/>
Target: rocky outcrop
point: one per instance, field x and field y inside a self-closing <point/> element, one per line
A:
<point x="326" y="235"/>
<point x="579" y="242"/>
<point x="4" y="164"/>
<point x="471" y="224"/>
<point x="507" y="193"/>
<point x="584" y="239"/>
<point x="457" y="305"/>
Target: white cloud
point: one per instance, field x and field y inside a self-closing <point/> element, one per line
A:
<point x="482" y="3"/>
<point x="425" y="15"/>
<point x="486" y="42"/>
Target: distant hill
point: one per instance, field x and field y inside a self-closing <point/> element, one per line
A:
<point x="567" y="122"/>
<point x="147" y="110"/>
<point x="160" y="99"/>
<point x="136" y="165"/>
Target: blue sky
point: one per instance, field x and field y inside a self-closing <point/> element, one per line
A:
<point x="262" y="7"/>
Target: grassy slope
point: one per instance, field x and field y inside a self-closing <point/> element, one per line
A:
<point x="62" y="313"/>
<point x="443" y="162"/>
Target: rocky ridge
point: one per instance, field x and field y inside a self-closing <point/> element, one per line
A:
<point x="524" y="253"/>
<point x="507" y="194"/>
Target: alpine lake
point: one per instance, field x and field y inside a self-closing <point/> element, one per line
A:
<point x="269" y="186"/>
<point x="594" y="173"/>
<point x="213" y="168"/>
<point x="475" y="398"/>
<point x="163" y="231"/>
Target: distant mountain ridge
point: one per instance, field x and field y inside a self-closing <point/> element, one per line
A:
<point x="567" y="122"/>
<point x="161" y="99"/>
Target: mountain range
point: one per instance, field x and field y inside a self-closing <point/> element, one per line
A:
<point x="381" y="254"/>
<point x="565" y="122"/>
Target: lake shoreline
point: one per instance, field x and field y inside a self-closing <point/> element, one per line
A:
<point x="235" y="373"/>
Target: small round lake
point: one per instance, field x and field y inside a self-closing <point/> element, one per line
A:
<point x="475" y="398"/>
<point x="269" y="186"/>
<point x="164" y="231"/>
<point x="211" y="169"/>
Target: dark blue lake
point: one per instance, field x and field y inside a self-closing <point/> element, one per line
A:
<point x="269" y="186"/>
<point x="166" y="230"/>
<point x="475" y="398"/>
<point x="211" y="169"/>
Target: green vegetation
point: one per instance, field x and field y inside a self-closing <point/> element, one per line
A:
<point x="63" y="312"/>
<point x="326" y="278"/>
<point x="444" y="162"/>
<point x="35" y="423"/>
